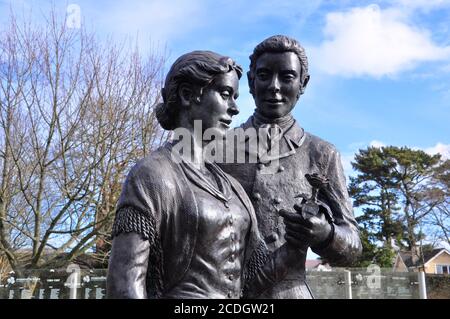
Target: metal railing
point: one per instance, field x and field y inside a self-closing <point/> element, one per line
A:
<point x="355" y="283"/>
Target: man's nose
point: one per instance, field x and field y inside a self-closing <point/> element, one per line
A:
<point x="274" y="85"/>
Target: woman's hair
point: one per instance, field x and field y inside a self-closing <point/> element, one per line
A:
<point x="198" y="69"/>
<point x="278" y="44"/>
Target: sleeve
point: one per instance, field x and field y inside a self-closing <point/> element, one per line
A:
<point x="139" y="210"/>
<point x="130" y="220"/>
<point x="141" y="202"/>
<point x="344" y="245"/>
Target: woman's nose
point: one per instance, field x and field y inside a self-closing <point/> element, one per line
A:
<point x="233" y="108"/>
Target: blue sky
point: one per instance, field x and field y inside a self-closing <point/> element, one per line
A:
<point x="380" y="70"/>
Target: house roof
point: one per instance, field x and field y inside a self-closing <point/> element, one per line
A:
<point x="414" y="262"/>
<point x="439" y="253"/>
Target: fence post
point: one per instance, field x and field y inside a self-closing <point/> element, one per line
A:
<point x="348" y="284"/>
<point x="422" y="285"/>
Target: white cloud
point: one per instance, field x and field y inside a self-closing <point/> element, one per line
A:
<point x="349" y="156"/>
<point x="443" y="149"/>
<point x="374" y="42"/>
<point x="376" y="143"/>
<point x="346" y="160"/>
<point x="353" y="149"/>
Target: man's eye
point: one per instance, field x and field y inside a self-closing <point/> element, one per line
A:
<point x="262" y="75"/>
<point x="289" y="77"/>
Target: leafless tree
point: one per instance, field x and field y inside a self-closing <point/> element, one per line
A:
<point x="75" y="115"/>
<point x="438" y="221"/>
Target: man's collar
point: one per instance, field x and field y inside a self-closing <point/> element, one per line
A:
<point x="285" y="122"/>
<point x="294" y="133"/>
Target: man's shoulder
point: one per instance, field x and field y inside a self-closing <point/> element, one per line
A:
<point x="316" y="143"/>
<point x="246" y="124"/>
<point x="234" y="182"/>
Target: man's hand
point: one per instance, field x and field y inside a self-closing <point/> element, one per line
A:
<point x="300" y="232"/>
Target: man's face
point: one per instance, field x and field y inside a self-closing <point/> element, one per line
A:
<point x="277" y="83"/>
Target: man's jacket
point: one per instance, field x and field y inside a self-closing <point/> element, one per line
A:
<point x="274" y="181"/>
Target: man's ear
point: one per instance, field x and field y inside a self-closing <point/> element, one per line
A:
<point x="186" y="95"/>
<point x="251" y="83"/>
<point x="304" y="84"/>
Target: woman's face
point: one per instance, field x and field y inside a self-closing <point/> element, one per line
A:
<point x="218" y="104"/>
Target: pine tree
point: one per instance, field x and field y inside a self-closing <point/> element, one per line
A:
<point x="392" y="188"/>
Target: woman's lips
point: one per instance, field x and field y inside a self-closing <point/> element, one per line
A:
<point x="225" y="122"/>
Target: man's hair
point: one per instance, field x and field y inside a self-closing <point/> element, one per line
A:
<point x="197" y="68"/>
<point x="277" y="44"/>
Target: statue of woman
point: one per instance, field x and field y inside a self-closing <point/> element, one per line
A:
<point x="183" y="227"/>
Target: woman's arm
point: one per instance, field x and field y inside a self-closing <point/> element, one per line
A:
<point x="266" y="269"/>
<point x="127" y="269"/>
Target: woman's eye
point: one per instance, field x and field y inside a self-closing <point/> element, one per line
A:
<point x="225" y="94"/>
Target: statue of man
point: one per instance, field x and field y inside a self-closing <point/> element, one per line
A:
<point x="301" y="182"/>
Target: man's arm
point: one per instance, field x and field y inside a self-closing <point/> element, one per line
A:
<point x="127" y="268"/>
<point x="332" y="231"/>
<point x="345" y="244"/>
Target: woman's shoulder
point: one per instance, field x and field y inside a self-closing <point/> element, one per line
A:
<point x="157" y="167"/>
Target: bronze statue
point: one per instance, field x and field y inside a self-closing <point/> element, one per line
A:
<point x="183" y="227"/>
<point x="303" y="166"/>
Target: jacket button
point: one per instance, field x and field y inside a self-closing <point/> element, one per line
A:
<point x="230" y="294"/>
<point x="231" y="277"/>
<point x="281" y="168"/>
<point x="260" y="166"/>
<point x="256" y="196"/>
<point x="277" y="200"/>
